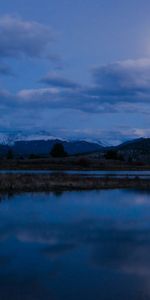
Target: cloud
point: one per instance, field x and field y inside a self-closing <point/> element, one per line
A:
<point x="55" y="80"/>
<point x="63" y="93"/>
<point x="106" y="136"/>
<point x="125" y="75"/>
<point x="35" y="96"/>
<point x="19" y="38"/>
<point x="124" y="84"/>
<point x="122" y="87"/>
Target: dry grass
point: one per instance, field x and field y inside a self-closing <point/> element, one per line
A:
<point x="45" y="182"/>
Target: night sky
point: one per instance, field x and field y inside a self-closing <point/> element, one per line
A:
<point x="76" y="68"/>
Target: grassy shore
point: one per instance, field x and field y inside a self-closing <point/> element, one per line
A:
<point x="45" y="182"/>
<point x="70" y="163"/>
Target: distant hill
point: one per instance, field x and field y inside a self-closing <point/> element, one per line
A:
<point x="43" y="147"/>
<point x="137" y="150"/>
<point x="134" y="150"/>
<point x="3" y="150"/>
<point x="142" y="144"/>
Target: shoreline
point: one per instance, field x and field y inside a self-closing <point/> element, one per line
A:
<point x="10" y="183"/>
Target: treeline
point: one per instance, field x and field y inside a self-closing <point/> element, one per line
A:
<point x="57" y="151"/>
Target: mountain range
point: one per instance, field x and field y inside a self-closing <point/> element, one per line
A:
<point x="25" y="145"/>
<point x="43" y="147"/>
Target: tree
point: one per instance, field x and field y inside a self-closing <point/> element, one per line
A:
<point x="10" y="154"/>
<point x="114" y="155"/>
<point x="58" y="150"/>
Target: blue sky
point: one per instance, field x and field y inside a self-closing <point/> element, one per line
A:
<point x="78" y="69"/>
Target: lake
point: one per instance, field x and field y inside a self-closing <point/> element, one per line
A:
<point x="75" y="245"/>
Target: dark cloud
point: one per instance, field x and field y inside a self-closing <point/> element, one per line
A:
<point x="124" y="83"/>
<point x="128" y="75"/>
<point x="122" y="87"/>
<point x="56" y="80"/>
<point x="19" y="38"/>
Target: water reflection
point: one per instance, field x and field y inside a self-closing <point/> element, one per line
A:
<point x="80" y="245"/>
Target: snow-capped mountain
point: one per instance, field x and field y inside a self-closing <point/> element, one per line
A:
<point x="9" y="138"/>
<point x="41" y="142"/>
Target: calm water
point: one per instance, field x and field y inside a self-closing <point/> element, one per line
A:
<point x="131" y="174"/>
<point x="76" y="245"/>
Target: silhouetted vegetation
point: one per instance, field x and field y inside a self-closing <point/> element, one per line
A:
<point x="58" y="151"/>
<point x="10" y="154"/>
<point x="114" y="155"/>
